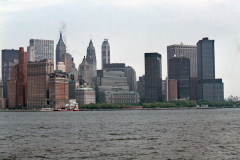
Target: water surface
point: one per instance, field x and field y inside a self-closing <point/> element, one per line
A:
<point x="148" y="134"/>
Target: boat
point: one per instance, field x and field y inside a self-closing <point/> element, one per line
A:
<point x="71" y="106"/>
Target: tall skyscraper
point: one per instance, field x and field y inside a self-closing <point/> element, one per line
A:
<point x="44" y="49"/>
<point x="60" y="50"/>
<point x="186" y="51"/>
<point x="105" y="52"/>
<point x="209" y="88"/>
<point x="9" y="59"/>
<point x="153" y="77"/>
<point x="91" y="59"/>
<point x="179" y="69"/>
<point x="131" y="78"/>
<point x="22" y="78"/>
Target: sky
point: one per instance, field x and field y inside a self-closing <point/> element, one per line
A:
<point x="132" y="27"/>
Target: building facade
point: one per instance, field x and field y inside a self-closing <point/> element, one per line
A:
<point x="31" y="53"/>
<point x="38" y="74"/>
<point x="172" y="90"/>
<point x="12" y="88"/>
<point x="186" y="51"/>
<point x="85" y="95"/>
<point x="153" y="77"/>
<point x="130" y="73"/>
<point x="9" y="59"/>
<point x="141" y="87"/>
<point x="91" y="59"/>
<point x="105" y="52"/>
<point x="179" y="69"/>
<point x="209" y="88"/>
<point x="22" y="78"/>
<point x="84" y="76"/>
<point x="43" y="49"/>
<point x="58" y="89"/>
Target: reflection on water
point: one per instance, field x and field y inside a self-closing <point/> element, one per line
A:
<point x="161" y="134"/>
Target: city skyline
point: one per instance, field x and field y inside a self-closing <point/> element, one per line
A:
<point x="147" y="29"/>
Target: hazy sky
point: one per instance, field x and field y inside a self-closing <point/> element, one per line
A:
<point x="133" y="27"/>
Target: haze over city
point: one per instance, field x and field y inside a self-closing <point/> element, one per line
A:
<point x="132" y="27"/>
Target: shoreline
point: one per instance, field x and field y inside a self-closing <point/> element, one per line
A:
<point x="122" y="109"/>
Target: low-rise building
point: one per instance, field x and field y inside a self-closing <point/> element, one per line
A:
<point x="85" y="95"/>
<point x="58" y="89"/>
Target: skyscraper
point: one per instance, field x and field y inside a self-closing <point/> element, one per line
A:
<point x="131" y="78"/>
<point x="60" y="50"/>
<point x="22" y="78"/>
<point x="186" y="51"/>
<point x="105" y="52"/>
<point x="9" y="59"/>
<point x="179" y="69"/>
<point x="209" y="88"/>
<point x="153" y="77"/>
<point x="91" y="59"/>
<point x="44" y="49"/>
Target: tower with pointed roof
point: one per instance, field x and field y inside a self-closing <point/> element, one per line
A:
<point x="84" y="76"/>
<point x="91" y="59"/>
<point x="60" y="50"/>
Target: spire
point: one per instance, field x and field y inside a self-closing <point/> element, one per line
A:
<point x="60" y="41"/>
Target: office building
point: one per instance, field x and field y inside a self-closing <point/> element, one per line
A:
<point x="58" y="89"/>
<point x="43" y="49"/>
<point x="172" y="90"/>
<point x="105" y="52"/>
<point x="130" y="73"/>
<point x="31" y="53"/>
<point x="141" y="87"/>
<point x="85" y="95"/>
<point x="91" y="59"/>
<point x="72" y="87"/>
<point x="179" y="69"/>
<point x="209" y="88"/>
<point x="186" y="51"/>
<point x="9" y="59"/>
<point x="38" y="74"/>
<point x="113" y="86"/>
<point x="12" y="88"/>
<point x="22" y="78"/>
<point x="153" y="77"/>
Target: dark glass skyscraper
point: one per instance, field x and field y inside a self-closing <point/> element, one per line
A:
<point x="179" y="69"/>
<point x="153" y="77"/>
<point x="9" y="59"/>
<point x="209" y="88"/>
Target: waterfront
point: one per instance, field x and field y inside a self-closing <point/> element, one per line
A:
<point x="140" y="134"/>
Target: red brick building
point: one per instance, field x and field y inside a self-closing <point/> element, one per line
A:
<point x="21" y="94"/>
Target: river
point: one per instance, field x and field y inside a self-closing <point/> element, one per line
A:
<point x="138" y="134"/>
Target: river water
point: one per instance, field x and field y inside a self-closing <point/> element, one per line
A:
<point x="148" y="134"/>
